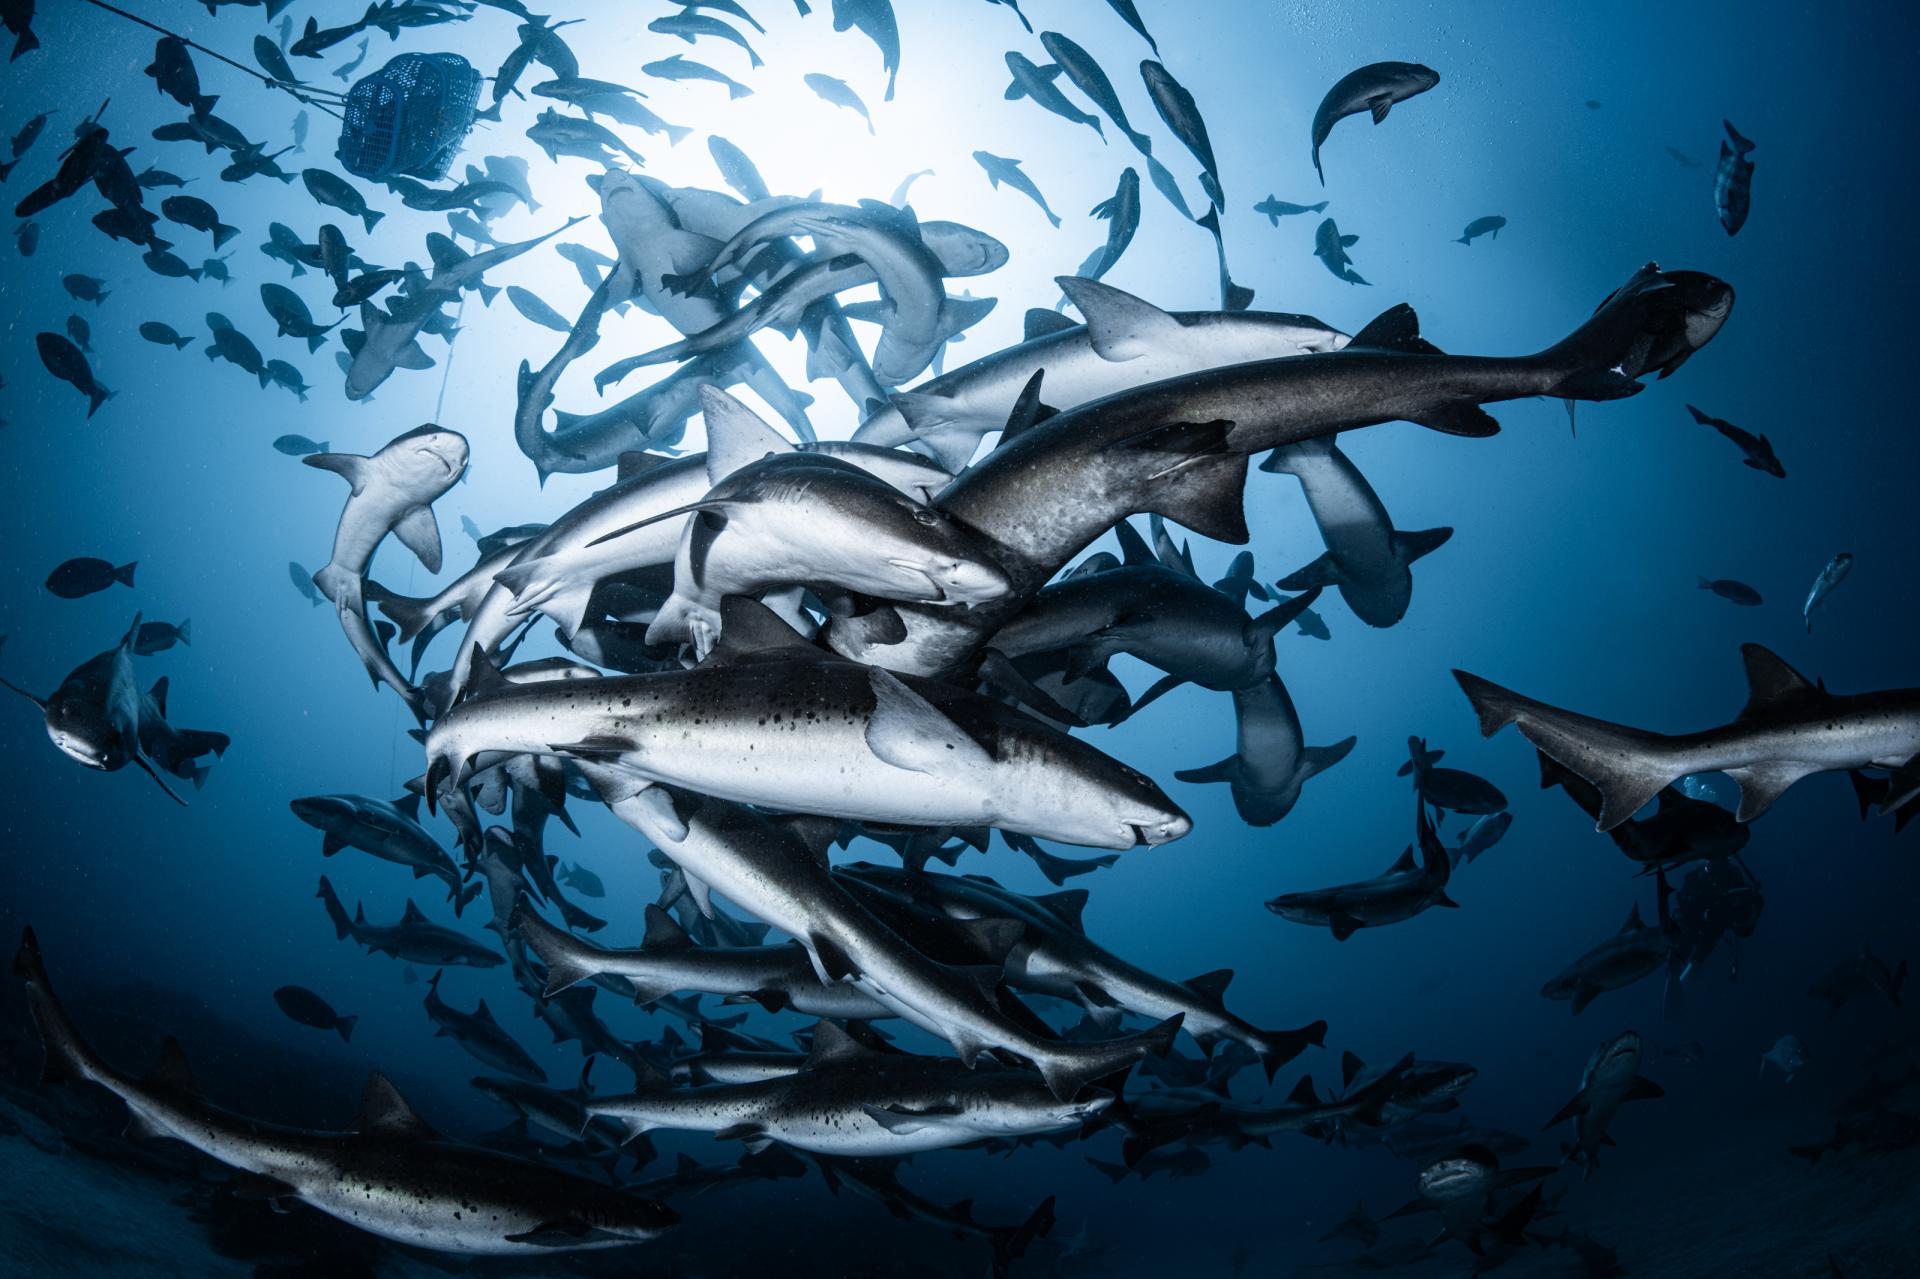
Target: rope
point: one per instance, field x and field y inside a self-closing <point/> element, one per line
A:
<point x="311" y="97"/>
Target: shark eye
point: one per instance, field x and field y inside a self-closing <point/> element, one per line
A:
<point x="926" y="517"/>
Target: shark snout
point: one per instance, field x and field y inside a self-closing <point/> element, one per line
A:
<point x="952" y="580"/>
<point x="1161" y="829"/>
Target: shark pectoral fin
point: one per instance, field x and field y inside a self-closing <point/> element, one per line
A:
<point x="348" y="466"/>
<point x="566" y="1232"/>
<point x="1321" y="573"/>
<point x="419" y="533"/>
<point x="1408" y="547"/>
<point x="909" y="732"/>
<point x="1342" y="925"/>
<point x="833" y="962"/>
<point x="1763" y="783"/>
<point x="1644" y="1089"/>
<point x="895" y="1119"/>
<point x="700" y="892"/>
<point x="258" y="1186"/>
<point x="1379" y="106"/>
<point x="1574" y="1107"/>
<point x="413" y="356"/>
<point x="1461" y="418"/>
<point x="598" y="747"/>
<point x="330" y="843"/>
<point x="1315" y="760"/>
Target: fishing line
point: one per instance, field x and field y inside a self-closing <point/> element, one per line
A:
<point x="312" y="97"/>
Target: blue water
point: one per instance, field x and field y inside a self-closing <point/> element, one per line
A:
<point x="1570" y="575"/>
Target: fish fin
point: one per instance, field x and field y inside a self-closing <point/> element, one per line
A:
<point x="384" y="1112"/>
<point x="349" y="466"/>
<point x="419" y="533"/>
<point x="736" y="435"/>
<point x="1120" y="326"/>
<point x="1460" y="418"/>
<point x="1763" y="783"/>
<point x="1379" y="106"/>
<point x="663" y="932"/>
<point x="1772" y="684"/>
<point x="1408" y="547"/>
<point x="909" y="732"/>
<point x="1644" y="1089"/>
<point x="1268" y="624"/>
<point x="1041" y="322"/>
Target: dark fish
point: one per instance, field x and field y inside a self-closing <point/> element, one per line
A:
<point x="336" y="258"/>
<point x="875" y="20"/>
<point x="1121" y="212"/>
<point x="529" y="304"/>
<point x="299" y="446"/>
<point x="1758" y="449"/>
<point x="1824" y="585"/>
<point x="170" y="265"/>
<point x="1091" y="80"/>
<point x="64" y="360"/>
<point x="692" y="26"/>
<point x="1733" y="180"/>
<point x="335" y="192"/>
<point x="197" y="214"/>
<point x="346" y="69"/>
<point x="135" y="228"/>
<point x="1037" y="83"/>
<point x="1593" y="104"/>
<point x="1733" y="591"/>
<point x="303" y="582"/>
<point x="1681" y="158"/>
<point x="1373" y="88"/>
<point x="216" y="269"/>
<point x="158" y="637"/>
<point x="29" y="133"/>
<point x="26" y="238"/>
<point x="1489" y="225"/>
<point x="253" y="162"/>
<point x="1453" y="789"/>
<point x="233" y="346"/>
<point x="272" y="60"/>
<point x="160" y="178"/>
<point x="309" y="1009"/>
<point x="1001" y="169"/>
<point x="81" y="334"/>
<point x="164" y="335"/>
<point x="284" y="375"/>
<point x="1331" y="248"/>
<point x="84" y="288"/>
<point x="78" y="578"/>
<point x="1131" y="16"/>
<point x="17" y="15"/>
<point x="841" y="94"/>
<point x="1275" y="209"/>
<point x="738" y="171"/>
<point x="291" y="316"/>
<point x="679" y="67"/>
<point x="1181" y="114"/>
<point x="173" y="72"/>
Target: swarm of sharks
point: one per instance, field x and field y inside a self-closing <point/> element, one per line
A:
<point x="776" y="645"/>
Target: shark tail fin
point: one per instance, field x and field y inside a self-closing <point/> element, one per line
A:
<point x="1276" y="1048"/>
<point x="1070" y="1067"/>
<point x="1627" y="766"/>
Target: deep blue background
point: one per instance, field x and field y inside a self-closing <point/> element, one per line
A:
<point x="1570" y="575"/>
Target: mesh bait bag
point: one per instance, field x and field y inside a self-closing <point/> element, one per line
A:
<point x="409" y="117"/>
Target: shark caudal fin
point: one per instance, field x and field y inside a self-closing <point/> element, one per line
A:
<point x="556" y="949"/>
<point x="1626" y="765"/>
<point x="1275" y="1048"/>
<point x="1070" y="1067"/>
<point x="68" y="1055"/>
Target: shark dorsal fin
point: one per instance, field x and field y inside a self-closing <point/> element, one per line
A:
<point x="1040" y="322"/>
<point x="409" y="805"/>
<point x="635" y="463"/>
<point x="1067" y="907"/>
<point x="1303" y="1093"/>
<point x="412" y="915"/>
<point x="172" y="1070"/>
<point x="1771" y="683"/>
<point x="831" y="1045"/>
<point x="384" y="1112"/>
<point x="1133" y="548"/>
<point x="1634" y="923"/>
<point x="1395" y="329"/>
<point x="663" y="931"/>
<point x="1404" y="861"/>
<point x="1211" y="985"/>
<point x="159" y="695"/>
<point x="736" y="435"/>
